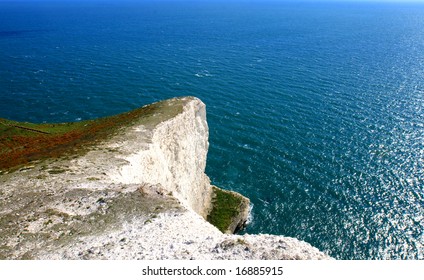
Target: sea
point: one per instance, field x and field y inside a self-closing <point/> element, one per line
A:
<point x="315" y="109"/>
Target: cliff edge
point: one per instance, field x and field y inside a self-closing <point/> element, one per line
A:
<point x="127" y="187"/>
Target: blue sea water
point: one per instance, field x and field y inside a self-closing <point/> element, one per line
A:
<point x="316" y="110"/>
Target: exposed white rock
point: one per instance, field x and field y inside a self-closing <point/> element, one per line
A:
<point x="174" y="157"/>
<point x="142" y="194"/>
<point x="182" y="235"/>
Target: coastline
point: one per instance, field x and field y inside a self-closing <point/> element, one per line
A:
<point x="140" y="193"/>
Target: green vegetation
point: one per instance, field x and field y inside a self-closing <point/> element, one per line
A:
<point x="225" y="206"/>
<point x="22" y="143"/>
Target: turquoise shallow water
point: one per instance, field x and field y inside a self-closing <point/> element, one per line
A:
<point x="316" y="111"/>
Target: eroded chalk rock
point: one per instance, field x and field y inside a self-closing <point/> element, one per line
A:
<point x="141" y="193"/>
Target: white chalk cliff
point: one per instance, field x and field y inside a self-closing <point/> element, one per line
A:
<point x="172" y="155"/>
<point x="141" y="194"/>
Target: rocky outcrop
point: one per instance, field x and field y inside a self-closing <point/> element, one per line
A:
<point x="140" y="194"/>
<point x="171" y="155"/>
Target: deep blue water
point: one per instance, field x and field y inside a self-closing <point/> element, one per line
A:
<point x="316" y="111"/>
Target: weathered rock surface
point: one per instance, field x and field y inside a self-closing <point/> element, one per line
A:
<point x="142" y="194"/>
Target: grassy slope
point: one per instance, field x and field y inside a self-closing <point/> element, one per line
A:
<point x="22" y="143"/>
<point x="226" y="206"/>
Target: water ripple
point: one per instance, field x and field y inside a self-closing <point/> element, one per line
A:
<point x="316" y="112"/>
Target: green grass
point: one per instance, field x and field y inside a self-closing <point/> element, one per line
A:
<point x="22" y="143"/>
<point x="225" y="207"/>
<point x="13" y="128"/>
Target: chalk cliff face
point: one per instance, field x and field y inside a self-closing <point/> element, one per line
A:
<point x="173" y="157"/>
<point x="141" y="194"/>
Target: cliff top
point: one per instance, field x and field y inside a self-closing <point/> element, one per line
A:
<point x="22" y="143"/>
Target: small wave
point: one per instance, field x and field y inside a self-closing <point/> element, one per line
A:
<point x="203" y="73"/>
<point x="247" y="147"/>
<point x="265" y="202"/>
<point x="249" y="219"/>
